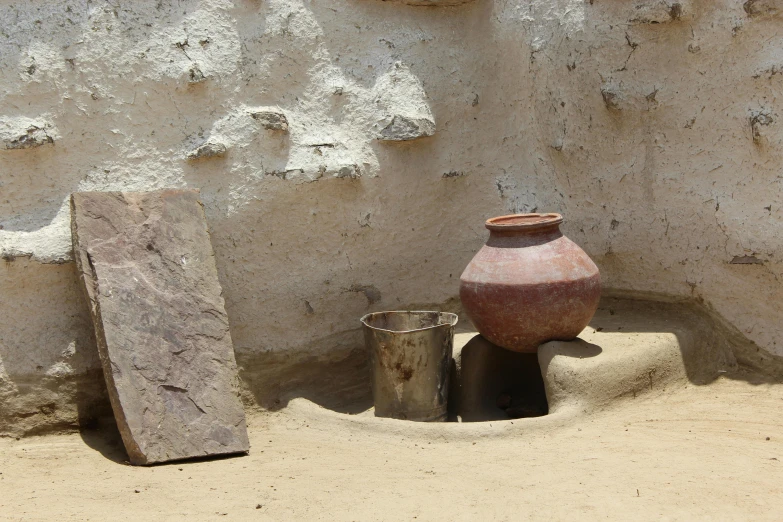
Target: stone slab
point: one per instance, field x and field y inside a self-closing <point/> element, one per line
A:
<point x="146" y="263"/>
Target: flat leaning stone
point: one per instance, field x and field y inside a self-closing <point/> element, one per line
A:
<point x="147" y="265"/>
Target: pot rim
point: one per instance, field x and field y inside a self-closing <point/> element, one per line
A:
<point x="528" y="221"/>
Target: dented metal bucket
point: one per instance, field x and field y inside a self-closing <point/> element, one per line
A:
<point x="410" y="355"/>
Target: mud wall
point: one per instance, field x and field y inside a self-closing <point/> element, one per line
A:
<point x="348" y="152"/>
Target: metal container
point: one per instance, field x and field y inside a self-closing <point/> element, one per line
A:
<point x="410" y="355"/>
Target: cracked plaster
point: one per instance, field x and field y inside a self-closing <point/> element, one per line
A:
<point x="666" y="185"/>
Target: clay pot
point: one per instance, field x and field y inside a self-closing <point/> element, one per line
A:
<point x="529" y="284"/>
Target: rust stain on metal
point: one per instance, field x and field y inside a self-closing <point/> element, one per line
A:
<point x="406" y="372"/>
<point x="410" y="355"/>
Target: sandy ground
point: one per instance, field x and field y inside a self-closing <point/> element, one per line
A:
<point x="699" y="452"/>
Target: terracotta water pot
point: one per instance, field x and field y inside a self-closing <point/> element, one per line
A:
<point x="529" y="284"/>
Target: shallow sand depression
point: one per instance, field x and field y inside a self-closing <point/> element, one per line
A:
<point x="696" y="452"/>
<point x="634" y="431"/>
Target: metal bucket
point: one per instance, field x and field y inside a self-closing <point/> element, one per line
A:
<point x="410" y="355"/>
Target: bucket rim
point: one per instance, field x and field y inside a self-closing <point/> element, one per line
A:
<point x="453" y="318"/>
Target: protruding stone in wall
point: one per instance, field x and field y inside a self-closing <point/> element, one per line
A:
<point x="308" y="175"/>
<point x="453" y="174"/>
<point x="402" y="105"/>
<point x="147" y="265"/>
<point x="342" y="171"/>
<point x="659" y="11"/>
<point x="298" y="175"/>
<point x="271" y="120"/>
<point x="404" y="128"/>
<point x="23" y="133"/>
<point x="630" y="97"/>
<point x="195" y="75"/>
<point x="435" y="3"/>
<point x="763" y="7"/>
<point x="210" y="149"/>
<point x="612" y="97"/>
<point x="746" y="260"/>
<point x="758" y="120"/>
<point x="769" y="71"/>
<point x="50" y="244"/>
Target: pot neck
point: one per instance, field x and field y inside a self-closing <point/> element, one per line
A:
<point x="524" y="237"/>
<point x="517" y="230"/>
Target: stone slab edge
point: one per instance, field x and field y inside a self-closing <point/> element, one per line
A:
<point x="83" y="264"/>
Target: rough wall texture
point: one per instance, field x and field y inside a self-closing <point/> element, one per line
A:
<point x="652" y="125"/>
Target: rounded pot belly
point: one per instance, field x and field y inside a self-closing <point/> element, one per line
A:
<point x="521" y="317"/>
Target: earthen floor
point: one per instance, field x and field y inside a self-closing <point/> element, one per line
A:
<point x="694" y="452"/>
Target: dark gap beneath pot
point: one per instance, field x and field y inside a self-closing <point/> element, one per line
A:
<point x="491" y="383"/>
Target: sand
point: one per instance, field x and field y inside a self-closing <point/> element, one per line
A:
<point x="696" y="452"/>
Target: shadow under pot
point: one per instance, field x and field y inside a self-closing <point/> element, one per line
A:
<point x="529" y="284"/>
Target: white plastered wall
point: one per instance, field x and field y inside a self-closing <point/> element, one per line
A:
<point x="653" y="126"/>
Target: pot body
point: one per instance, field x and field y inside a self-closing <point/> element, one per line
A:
<point x="529" y="284"/>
